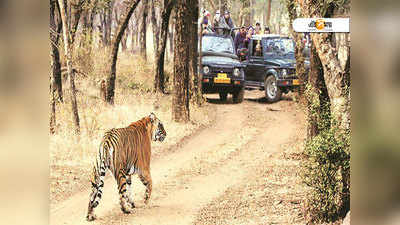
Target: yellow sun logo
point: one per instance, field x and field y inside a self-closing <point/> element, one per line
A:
<point x="320" y="24"/>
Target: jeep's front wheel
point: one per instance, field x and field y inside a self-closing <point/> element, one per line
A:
<point x="272" y="92"/>
<point x="223" y="96"/>
<point x="238" y="95"/>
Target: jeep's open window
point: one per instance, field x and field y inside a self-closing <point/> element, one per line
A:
<point x="257" y="48"/>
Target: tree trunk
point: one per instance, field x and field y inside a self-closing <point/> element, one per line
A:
<point x="171" y="37"/>
<point x="106" y="23"/>
<point x="246" y="16"/>
<point x="159" y="78"/>
<point x="299" y="47"/>
<point x="268" y="13"/>
<point x="193" y="53"/>
<point x="112" y="62"/>
<point x="52" y="124"/>
<point x="69" y="68"/>
<point x="143" y="29"/>
<point x="223" y="7"/>
<point x="317" y="94"/>
<point x="76" y="11"/>
<point x="180" y="100"/>
<point x="55" y="29"/>
<point x="155" y="27"/>
<point x="337" y="80"/>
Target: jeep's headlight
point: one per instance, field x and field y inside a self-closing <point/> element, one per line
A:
<point x="206" y="70"/>
<point x="236" y="72"/>
<point x="284" y="73"/>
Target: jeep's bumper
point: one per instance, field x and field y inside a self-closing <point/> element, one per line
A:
<point x="288" y="82"/>
<point x="211" y="85"/>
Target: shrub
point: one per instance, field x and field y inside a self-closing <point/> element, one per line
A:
<point x="326" y="166"/>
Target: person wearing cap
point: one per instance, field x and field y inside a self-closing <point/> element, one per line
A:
<point x="228" y="20"/>
<point x="258" y="28"/>
<point x="266" y="30"/>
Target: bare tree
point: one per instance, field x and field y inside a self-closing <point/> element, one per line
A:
<point x="55" y="29"/>
<point x="71" y="75"/>
<point x="268" y="12"/>
<point x="155" y="26"/>
<point x="143" y="29"/>
<point x="76" y="11"/>
<point x="180" y="100"/>
<point x="159" y="78"/>
<point x="112" y="61"/>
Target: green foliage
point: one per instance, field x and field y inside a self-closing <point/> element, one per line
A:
<point x="326" y="165"/>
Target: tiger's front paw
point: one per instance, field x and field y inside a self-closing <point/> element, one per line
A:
<point x="126" y="206"/>
<point x="90" y="217"/>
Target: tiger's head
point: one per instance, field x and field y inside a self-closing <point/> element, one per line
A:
<point x="158" y="132"/>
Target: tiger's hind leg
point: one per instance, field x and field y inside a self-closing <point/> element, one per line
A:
<point x="97" y="191"/>
<point x="146" y="180"/>
<point x="129" y="190"/>
<point x="123" y="194"/>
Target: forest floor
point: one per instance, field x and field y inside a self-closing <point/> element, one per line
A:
<point x="240" y="166"/>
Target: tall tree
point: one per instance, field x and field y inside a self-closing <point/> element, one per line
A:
<point x="112" y="61"/>
<point x="155" y="26"/>
<point x="76" y="11"/>
<point x="246" y="13"/>
<point x="268" y="12"/>
<point x="180" y="99"/>
<point x="224" y="6"/>
<point x="159" y="78"/>
<point x="55" y="29"/>
<point x="299" y="47"/>
<point x="143" y="29"/>
<point x="195" y="85"/>
<point x="71" y="74"/>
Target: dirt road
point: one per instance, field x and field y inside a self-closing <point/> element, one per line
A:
<point x="186" y="181"/>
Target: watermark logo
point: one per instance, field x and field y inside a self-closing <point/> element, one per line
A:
<point x="321" y="25"/>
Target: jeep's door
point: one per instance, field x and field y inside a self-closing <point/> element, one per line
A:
<point x="256" y="62"/>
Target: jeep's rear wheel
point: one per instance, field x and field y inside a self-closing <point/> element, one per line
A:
<point x="238" y="95"/>
<point x="272" y="92"/>
<point x="223" y="96"/>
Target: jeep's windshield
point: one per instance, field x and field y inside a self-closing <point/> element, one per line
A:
<point x="217" y="44"/>
<point x="279" y="46"/>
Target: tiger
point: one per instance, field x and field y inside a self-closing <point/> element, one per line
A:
<point x="124" y="152"/>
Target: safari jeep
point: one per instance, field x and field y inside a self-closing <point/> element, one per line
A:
<point x="221" y="69"/>
<point x="270" y="65"/>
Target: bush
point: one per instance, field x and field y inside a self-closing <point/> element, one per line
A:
<point x="327" y="167"/>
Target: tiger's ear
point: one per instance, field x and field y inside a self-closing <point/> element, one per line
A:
<point x="152" y="117"/>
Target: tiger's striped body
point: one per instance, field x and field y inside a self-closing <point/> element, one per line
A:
<point x="126" y="151"/>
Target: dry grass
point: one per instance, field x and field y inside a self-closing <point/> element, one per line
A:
<point x="71" y="158"/>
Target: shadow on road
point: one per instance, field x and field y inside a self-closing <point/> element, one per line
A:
<point x="219" y="101"/>
<point x="263" y="100"/>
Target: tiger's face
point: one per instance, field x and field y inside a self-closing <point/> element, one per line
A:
<point x="159" y="132"/>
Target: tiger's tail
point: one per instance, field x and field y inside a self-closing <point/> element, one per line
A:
<point x="97" y="180"/>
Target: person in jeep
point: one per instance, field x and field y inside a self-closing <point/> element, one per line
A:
<point x="239" y="39"/>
